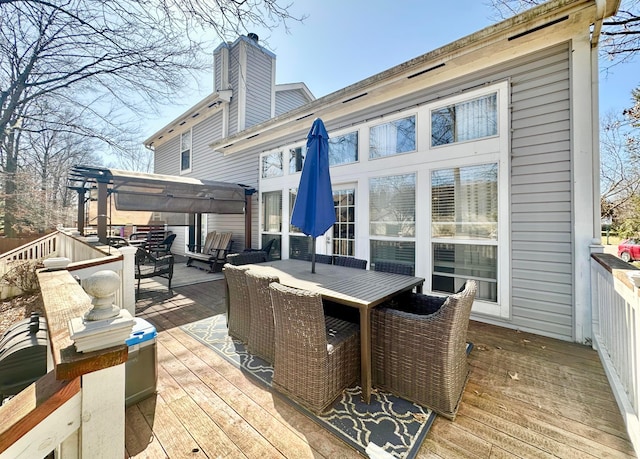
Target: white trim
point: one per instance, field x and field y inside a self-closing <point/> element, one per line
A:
<point x="582" y="182"/>
<point x="295" y="86"/>
<point x="242" y="87"/>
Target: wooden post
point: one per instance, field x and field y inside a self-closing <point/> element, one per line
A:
<point x="247" y="221"/>
<point x="102" y="211"/>
<point x="81" y="197"/>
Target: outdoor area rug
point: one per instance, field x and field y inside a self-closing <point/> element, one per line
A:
<point x="388" y="423"/>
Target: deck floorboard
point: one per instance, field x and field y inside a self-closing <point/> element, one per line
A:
<point x="528" y="396"/>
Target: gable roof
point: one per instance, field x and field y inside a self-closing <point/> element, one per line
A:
<point x="338" y="108"/>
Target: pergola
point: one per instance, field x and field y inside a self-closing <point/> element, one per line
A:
<point x="137" y="191"/>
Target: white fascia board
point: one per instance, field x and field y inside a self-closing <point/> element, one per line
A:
<point x="293" y="86"/>
<point x="202" y="110"/>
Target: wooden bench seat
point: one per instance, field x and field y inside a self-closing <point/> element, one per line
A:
<point x="214" y="252"/>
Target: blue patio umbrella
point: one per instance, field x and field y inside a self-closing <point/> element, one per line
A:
<point x="313" y="211"/>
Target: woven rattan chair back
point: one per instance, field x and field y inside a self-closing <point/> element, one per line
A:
<point x="391" y="267"/>
<point x="314" y="359"/>
<point x="350" y="262"/>
<point x="430" y="347"/>
<point x="238" y="308"/>
<point x="261" y="329"/>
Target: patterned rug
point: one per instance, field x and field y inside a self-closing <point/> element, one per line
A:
<point x="388" y="427"/>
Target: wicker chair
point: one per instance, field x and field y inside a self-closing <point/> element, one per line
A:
<point x="315" y="357"/>
<point x="238" y="308"/>
<point x="320" y="258"/>
<point x="247" y="258"/>
<point x="350" y="262"/>
<point x="261" y="330"/>
<point x="419" y="349"/>
<point x="391" y="267"/>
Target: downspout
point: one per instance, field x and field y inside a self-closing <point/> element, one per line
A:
<point x="595" y="136"/>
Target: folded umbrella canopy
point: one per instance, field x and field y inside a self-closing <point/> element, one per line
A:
<point x="313" y="211"/>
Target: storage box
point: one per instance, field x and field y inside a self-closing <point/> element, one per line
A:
<point x="141" y="367"/>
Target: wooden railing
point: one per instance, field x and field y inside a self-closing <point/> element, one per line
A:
<point x="85" y="258"/>
<point x="615" y="297"/>
<point x="77" y="409"/>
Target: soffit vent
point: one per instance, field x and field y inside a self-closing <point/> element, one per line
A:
<point x="540" y="27"/>
<point x="422" y="72"/>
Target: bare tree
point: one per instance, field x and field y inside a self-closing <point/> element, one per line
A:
<point x="102" y="59"/>
<point x="619" y="170"/>
<point x="620" y="41"/>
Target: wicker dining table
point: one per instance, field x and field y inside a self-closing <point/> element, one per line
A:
<point x="356" y="288"/>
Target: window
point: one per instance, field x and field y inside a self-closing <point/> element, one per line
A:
<point x="344" y="229"/>
<point x="272" y="165"/>
<point x="398" y="136"/>
<point x="185" y="151"/>
<point x="401" y="252"/>
<point x="299" y="244"/>
<point x="343" y="149"/>
<point x="464" y="229"/>
<point x="272" y="212"/>
<point x="296" y="160"/>
<point x="468" y="120"/>
<point x="272" y="221"/>
<point x="392" y="206"/>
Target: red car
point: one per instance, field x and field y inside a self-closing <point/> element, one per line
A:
<point x="629" y="250"/>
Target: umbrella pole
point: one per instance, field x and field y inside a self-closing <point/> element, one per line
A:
<point x="313" y="255"/>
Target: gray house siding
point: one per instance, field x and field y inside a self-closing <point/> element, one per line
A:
<point x="202" y="135"/>
<point x="541" y="217"/>
<point x="242" y="169"/>
<point x="289" y="100"/>
<point x="259" y="86"/>
<point x="166" y="157"/>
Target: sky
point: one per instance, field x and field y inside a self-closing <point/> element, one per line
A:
<point x="342" y="42"/>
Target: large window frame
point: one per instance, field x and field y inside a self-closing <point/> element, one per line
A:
<point x="492" y="149"/>
<point x="417" y="248"/>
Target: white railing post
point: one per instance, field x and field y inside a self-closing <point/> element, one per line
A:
<point x="103" y="418"/>
<point x="127" y="279"/>
<point x="103" y="391"/>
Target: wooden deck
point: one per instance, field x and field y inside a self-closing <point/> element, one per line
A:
<point x="527" y="396"/>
